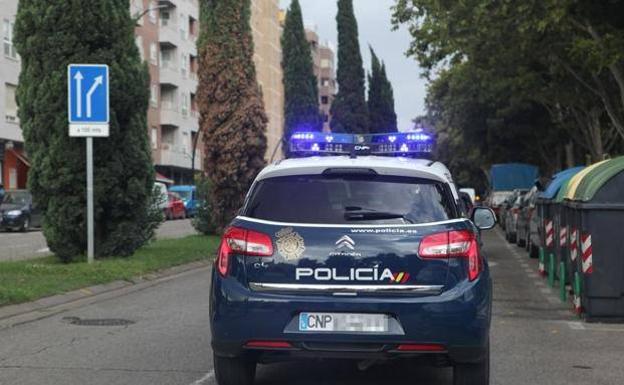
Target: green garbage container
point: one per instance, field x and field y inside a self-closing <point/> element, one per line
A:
<point x="574" y="222"/>
<point x="545" y="207"/>
<point x="599" y="202"/>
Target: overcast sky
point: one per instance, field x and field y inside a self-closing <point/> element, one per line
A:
<point x="375" y="28"/>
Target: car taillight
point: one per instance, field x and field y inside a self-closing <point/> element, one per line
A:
<point x="453" y="244"/>
<point x="241" y="241"/>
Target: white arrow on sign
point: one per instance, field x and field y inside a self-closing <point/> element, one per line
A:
<point x="98" y="81"/>
<point x="78" y="78"/>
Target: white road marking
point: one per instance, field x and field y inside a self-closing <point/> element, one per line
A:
<point x="44" y="250"/>
<point x="204" y="380"/>
<point x="576" y="326"/>
<point x="545" y="290"/>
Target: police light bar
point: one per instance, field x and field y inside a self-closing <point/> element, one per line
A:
<point x="398" y="144"/>
<point x="311" y="143"/>
<point x="401" y="144"/>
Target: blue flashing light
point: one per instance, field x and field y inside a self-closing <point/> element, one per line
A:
<point x="402" y="144"/>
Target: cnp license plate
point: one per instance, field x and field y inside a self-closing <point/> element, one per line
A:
<point x="343" y="322"/>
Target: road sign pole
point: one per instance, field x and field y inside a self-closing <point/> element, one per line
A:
<point x="90" y="220"/>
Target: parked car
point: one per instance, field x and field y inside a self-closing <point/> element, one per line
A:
<point x="511" y="215"/>
<point x="466" y="203"/>
<point x="175" y="207"/>
<point x="496" y="200"/>
<point x="188" y="194"/>
<point x="505" y="208"/>
<point x="471" y="192"/>
<point x="527" y="224"/>
<point x="17" y="211"/>
<point x="163" y="199"/>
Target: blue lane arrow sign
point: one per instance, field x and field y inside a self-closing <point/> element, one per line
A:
<point x="88" y="99"/>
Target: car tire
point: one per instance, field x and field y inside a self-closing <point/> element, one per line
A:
<point x="234" y="371"/>
<point x="533" y="251"/>
<point x="519" y="241"/>
<point x="25" y="225"/>
<point x="473" y="374"/>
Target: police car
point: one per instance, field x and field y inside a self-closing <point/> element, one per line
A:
<point x="355" y="248"/>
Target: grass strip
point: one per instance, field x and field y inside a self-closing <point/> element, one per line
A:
<point x="24" y="281"/>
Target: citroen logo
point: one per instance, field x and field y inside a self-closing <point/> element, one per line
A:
<point x="345" y="242"/>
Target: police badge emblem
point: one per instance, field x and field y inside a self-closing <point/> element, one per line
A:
<point x="289" y="244"/>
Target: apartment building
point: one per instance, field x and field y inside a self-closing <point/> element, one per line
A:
<point x="166" y="34"/>
<point x="13" y="163"/>
<point x="267" y="31"/>
<point x="323" y="57"/>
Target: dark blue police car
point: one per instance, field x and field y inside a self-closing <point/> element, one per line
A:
<point x="354" y="254"/>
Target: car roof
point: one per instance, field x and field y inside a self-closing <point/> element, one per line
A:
<point x="395" y="166"/>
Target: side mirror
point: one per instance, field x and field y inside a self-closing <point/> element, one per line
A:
<point x="483" y="218"/>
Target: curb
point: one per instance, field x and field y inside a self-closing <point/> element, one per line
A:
<point x="14" y="315"/>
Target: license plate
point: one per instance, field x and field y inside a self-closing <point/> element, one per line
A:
<point x="343" y="322"/>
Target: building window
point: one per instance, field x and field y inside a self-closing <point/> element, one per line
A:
<point x="153" y="54"/>
<point x="194" y="111"/>
<point x="10" y="105"/>
<point x="325" y="63"/>
<point x="324" y="100"/>
<point x="154" y="137"/>
<point x="154" y="95"/>
<point x="139" y="43"/>
<point x="192" y="26"/>
<point x="9" y="48"/>
<point x="185" y="104"/>
<point x="152" y="12"/>
<point x="184" y="65"/>
<point x="325" y="118"/>
<point x="183" y="27"/>
<point x="165" y="16"/>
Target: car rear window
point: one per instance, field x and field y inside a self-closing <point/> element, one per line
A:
<point x="350" y="199"/>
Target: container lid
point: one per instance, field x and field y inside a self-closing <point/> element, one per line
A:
<point x="558" y="180"/>
<point x="597" y="178"/>
<point x="563" y="190"/>
<point x="576" y="179"/>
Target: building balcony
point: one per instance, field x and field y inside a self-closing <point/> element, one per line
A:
<point x="177" y="156"/>
<point x="168" y="35"/>
<point x="177" y="117"/>
<point x="169" y="74"/>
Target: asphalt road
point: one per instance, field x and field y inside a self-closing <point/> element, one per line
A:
<point x="32" y="244"/>
<point x="535" y="340"/>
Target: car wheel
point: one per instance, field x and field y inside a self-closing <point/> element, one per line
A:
<point x="25" y="225"/>
<point x="234" y="371"/>
<point x="473" y="374"/>
<point x="533" y="251"/>
<point x="519" y="241"/>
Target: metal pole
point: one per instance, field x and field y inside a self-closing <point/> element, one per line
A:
<point x="90" y="248"/>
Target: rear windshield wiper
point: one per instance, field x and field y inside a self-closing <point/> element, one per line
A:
<point x="373" y="215"/>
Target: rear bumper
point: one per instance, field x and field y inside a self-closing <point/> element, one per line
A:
<point x="14" y="223"/>
<point x="458" y="320"/>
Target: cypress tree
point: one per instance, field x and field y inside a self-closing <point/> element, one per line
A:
<point x="380" y="98"/>
<point x="349" y="110"/>
<point x="301" y="100"/>
<point x="232" y="115"/>
<point x="390" y="116"/>
<point x="376" y="104"/>
<point x="49" y="35"/>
